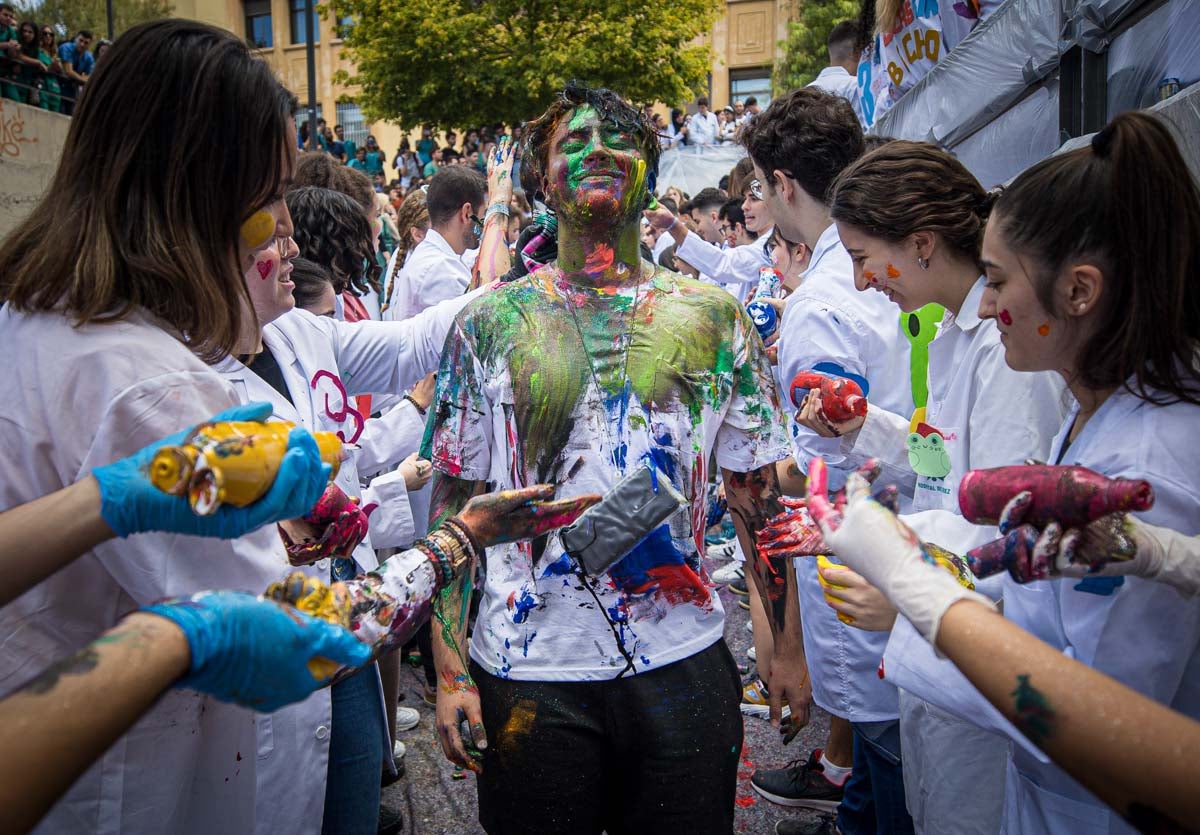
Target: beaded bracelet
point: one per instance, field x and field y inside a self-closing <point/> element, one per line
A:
<point x="496" y="209"/>
<point x="443" y="554"/>
<point x="470" y="543"/>
<point x="420" y="410"/>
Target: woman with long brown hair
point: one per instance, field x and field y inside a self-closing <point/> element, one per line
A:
<point x="119" y="289"/>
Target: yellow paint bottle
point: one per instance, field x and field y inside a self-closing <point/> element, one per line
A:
<point x="826" y="586"/>
<point x="230" y="462"/>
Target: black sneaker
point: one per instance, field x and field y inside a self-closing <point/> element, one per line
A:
<point x="824" y="825"/>
<point x="799" y="784"/>
<point x="738" y="587"/>
<point x="391" y="822"/>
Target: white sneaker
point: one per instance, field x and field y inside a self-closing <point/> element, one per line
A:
<point x="725" y="575"/>
<point x="407" y="718"/>
<point x="721" y="551"/>
<point x="398" y="751"/>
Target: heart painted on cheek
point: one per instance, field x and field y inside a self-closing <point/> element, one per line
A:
<point x="264" y="269"/>
<point x="892" y="272"/>
<point x="1006" y="318"/>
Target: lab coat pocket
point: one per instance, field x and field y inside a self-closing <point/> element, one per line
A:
<point x="1031" y="808"/>
<point x="265" y="734"/>
<point x="937" y="457"/>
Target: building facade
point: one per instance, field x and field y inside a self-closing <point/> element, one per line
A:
<point x="745" y="40"/>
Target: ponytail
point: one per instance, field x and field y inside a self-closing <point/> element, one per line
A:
<point x="1127" y="205"/>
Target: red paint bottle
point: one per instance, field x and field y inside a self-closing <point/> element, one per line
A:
<point x="1072" y="496"/>
<point x="841" y="398"/>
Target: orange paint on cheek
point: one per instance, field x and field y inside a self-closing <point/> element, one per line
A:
<point x="1044" y="329"/>
<point x="869" y="276"/>
<point x="892" y="272"/>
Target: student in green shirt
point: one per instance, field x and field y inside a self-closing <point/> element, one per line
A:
<point x="359" y="163"/>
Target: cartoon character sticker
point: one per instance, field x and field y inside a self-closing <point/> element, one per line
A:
<point x="927" y="452"/>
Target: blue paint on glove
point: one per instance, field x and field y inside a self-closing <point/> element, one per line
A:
<point x="130" y="504"/>
<point x="255" y="652"/>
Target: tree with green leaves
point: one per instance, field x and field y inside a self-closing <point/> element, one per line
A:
<point x="804" y="51"/>
<point x="69" y="16"/>
<point x="471" y="62"/>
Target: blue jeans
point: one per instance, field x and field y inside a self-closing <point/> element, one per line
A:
<point x="873" y="800"/>
<point x="355" y="756"/>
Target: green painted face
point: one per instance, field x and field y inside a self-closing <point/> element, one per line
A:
<point x="927" y="455"/>
<point x="596" y="172"/>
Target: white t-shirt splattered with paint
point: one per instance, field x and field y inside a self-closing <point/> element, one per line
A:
<point x="676" y="372"/>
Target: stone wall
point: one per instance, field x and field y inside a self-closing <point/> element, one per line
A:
<point x="31" y="140"/>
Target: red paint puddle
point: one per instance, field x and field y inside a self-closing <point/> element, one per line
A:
<point x="745" y="801"/>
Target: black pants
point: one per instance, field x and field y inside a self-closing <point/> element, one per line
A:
<point x="655" y="752"/>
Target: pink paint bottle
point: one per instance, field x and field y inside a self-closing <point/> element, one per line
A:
<point x="1072" y="496"/>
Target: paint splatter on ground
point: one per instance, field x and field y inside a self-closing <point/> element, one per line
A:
<point x="433" y="802"/>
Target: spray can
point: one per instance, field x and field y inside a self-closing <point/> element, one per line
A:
<point x="770" y="286"/>
<point x="1167" y="88"/>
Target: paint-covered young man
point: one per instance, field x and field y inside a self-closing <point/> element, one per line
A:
<point x="606" y="702"/>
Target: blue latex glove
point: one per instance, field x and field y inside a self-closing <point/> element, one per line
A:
<point x="255" y="652"/>
<point x="130" y="504"/>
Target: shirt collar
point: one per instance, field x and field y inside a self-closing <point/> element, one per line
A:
<point x="438" y="242"/>
<point x="828" y="240"/>
<point x="968" y="315"/>
<point x="831" y="71"/>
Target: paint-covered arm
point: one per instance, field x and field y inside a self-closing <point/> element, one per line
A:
<point x="753" y="500"/>
<point x="458" y="697"/>
<point x="493" y="260"/>
<point x="1142" y="766"/>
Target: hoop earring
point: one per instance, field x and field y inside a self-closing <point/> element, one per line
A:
<point x="923" y="262"/>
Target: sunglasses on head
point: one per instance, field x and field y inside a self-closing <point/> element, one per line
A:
<point x="756" y="190"/>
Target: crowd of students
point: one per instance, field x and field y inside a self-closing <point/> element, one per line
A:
<point x="591" y="688"/>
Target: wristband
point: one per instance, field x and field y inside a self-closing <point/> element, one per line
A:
<point x="496" y="209"/>
<point x="420" y="409"/>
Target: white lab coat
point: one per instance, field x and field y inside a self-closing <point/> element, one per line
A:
<point x="839" y="82"/>
<point x="990" y="416"/>
<point x="828" y="321"/>
<point x="432" y="273"/>
<point x="733" y="265"/>
<point x="80" y="398"/>
<point x="702" y="128"/>
<point x="1144" y="634"/>
<point x="325" y="362"/>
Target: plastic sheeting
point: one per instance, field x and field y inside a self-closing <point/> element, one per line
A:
<point x="990" y="70"/>
<point x="692" y="168"/>
<point x="1182" y="113"/>
<point x="1014" y="140"/>
<point x="1165" y="44"/>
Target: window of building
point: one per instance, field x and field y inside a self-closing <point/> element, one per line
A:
<point x="300" y="25"/>
<point x="258" y="24"/>
<point x="354" y="128"/>
<point x="751" y="82"/>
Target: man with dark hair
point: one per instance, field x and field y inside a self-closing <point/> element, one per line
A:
<point x="77" y="64"/>
<point x="702" y="244"/>
<point x="799" y="145"/>
<point x="435" y="270"/>
<point x="733" y="224"/>
<point x="841" y="76"/>
<point x="601" y="699"/>
<point x="702" y="125"/>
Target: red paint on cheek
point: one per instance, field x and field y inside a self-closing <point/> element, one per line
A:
<point x="264" y="269"/>
<point x="892" y="272"/>
<point x="1006" y="318"/>
<point x="1044" y="329"/>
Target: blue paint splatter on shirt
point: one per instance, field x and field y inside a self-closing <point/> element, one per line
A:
<point x="523" y="605"/>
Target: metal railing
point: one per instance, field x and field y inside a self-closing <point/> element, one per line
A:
<point x="27" y="84"/>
